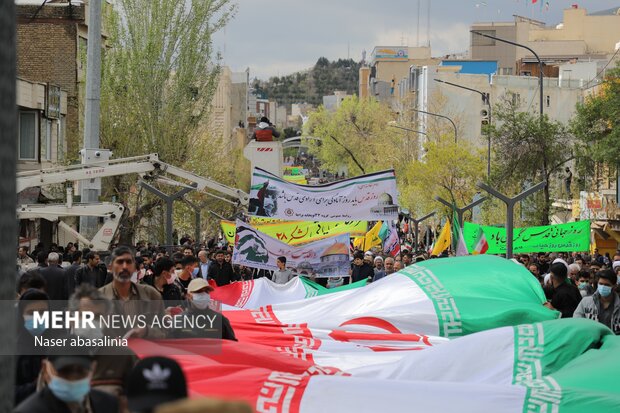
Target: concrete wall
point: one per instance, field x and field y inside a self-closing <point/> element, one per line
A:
<point x="596" y="34"/>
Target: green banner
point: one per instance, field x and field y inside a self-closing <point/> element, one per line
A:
<point x="574" y="236"/>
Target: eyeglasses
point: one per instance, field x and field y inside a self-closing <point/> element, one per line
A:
<point x="122" y="261"/>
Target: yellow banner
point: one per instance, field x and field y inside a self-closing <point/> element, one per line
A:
<point x="296" y="179"/>
<point x="300" y="232"/>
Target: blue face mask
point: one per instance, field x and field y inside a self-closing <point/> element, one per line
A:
<point x="69" y="391"/>
<point x="604" y="290"/>
<point x="29" y="325"/>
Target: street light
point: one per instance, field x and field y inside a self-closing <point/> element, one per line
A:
<point x="391" y="125"/>
<point x="486" y="99"/>
<point x="440" y="116"/>
<point x="540" y="75"/>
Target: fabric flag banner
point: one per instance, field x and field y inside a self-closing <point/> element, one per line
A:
<point x="372" y="238"/>
<point x="443" y="241"/>
<point x="329" y="257"/>
<point x="390" y="240"/>
<point x="564" y="366"/>
<point x="482" y="246"/>
<point x="299" y="232"/>
<point x="574" y="236"/>
<point x="297" y="179"/>
<point x="262" y="291"/>
<point x="368" y="197"/>
<point x="394" y="343"/>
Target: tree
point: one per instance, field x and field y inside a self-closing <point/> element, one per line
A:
<point x="528" y="149"/>
<point x="158" y="79"/>
<point x="447" y="169"/>
<point x="356" y="136"/>
<point x="597" y="124"/>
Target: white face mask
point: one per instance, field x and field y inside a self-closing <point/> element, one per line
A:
<point x="92" y="333"/>
<point x="178" y="272"/>
<point x="173" y="276"/>
<point x="201" y="300"/>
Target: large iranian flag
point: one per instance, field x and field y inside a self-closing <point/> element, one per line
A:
<point x="466" y="334"/>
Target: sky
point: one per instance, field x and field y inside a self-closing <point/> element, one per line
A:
<point x="279" y="37"/>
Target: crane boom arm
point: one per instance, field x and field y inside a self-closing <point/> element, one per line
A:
<point x="146" y="166"/>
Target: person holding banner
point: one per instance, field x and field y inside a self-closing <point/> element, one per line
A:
<point x="361" y="270"/>
<point x="282" y="275"/>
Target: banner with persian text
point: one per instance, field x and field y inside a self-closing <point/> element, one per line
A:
<point x="299" y="232"/>
<point x="368" y="197"/>
<point x="329" y="257"/>
<point x="573" y="236"/>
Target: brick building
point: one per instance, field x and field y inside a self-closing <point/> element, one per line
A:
<point x="51" y="49"/>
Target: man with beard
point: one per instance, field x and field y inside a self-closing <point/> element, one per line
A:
<point x="221" y="271"/>
<point x="131" y="299"/>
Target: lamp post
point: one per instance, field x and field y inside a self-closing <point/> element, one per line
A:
<point x="440" y="116"/>
<point x="486" y="99"/>
<point x="461" y="211"/>
<point x="540" y="75"/>
<point x="510" y="207"/>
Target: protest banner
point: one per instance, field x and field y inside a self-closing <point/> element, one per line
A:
<point x="573" y="236"/>
<point x="368" y="197"/>
<point x="329" y="257"/>
<point x="299" y="232"/>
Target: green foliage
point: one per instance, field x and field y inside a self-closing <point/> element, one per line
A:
<point x="597" y="124"/>
<point x="527" y="150"/>
<point x="358" y="126"/>
<point x="310" y="86"/>
<point x="448" y="170"/>
<point x="159" y="75"/>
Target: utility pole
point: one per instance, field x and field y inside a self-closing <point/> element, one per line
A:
<point x="510" y="207"/>
<point x="91" y="190"/>
<point x="8" y="197"/>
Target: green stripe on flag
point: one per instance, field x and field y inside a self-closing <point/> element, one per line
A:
<point x="480" y="292"/>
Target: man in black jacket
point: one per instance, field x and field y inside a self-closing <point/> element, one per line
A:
<point x="76" y="263"/>
<point x="68" y="389"/>
<point x="221" y="271"/>
<point x="562" y="295"/>
<point x="361" y="270"/>
<point x="92" y="272"/>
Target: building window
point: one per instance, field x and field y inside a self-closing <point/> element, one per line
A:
<point x="28" y="135"/>
<point x="507" y="71"/>
<point x="477" y="40"/>
<point x="516" y="99"/>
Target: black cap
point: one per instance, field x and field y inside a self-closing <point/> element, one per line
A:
<point x="61" y="361"/>
<point x="154" y="381"/>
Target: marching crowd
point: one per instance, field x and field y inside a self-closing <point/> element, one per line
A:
<point x="577" y="285"/>
<point x="127" y="283"/>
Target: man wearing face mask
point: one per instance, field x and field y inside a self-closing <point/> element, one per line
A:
<point x="68" y="389"/>
<point x="129" y="298"/>
<point x="604" y="305"/>
<point x="113" y="364"/>
<point x="163" y="280"/>
<point x="199" y="299"/>
<point x="183" y="277"/>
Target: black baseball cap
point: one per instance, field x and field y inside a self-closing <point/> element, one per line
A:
<point x="61" y="361"/>
<point x="155" y="381"/>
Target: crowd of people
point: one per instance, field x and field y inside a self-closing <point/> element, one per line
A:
<point x="142" y="283"/>
<point x="179" y="281"/>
